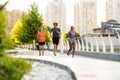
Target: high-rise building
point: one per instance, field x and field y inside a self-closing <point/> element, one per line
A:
<point x="112" y="10"/>
<point x="54" y="14"/>
<point x="11" y="19"/>
<point x="85" y="16"/>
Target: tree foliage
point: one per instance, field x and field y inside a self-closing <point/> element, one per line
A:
<point x="25" y="30"/>
<point x="2" y="28"/>
<point x="10" y="68"/>
<point x="47" y="31"/>
<point x="2" y="23"/>
<point x="31" y="22"/>
<point x="16" y="31"/>
<point x="5" y="41"/>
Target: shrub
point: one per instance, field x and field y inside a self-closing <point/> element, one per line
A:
<point x="13" y="69"/>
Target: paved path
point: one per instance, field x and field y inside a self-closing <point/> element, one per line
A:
<point x="84" y="68"/>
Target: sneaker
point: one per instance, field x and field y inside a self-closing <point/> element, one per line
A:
<point x="54" y="54"/>
<point x="73" y="56"/>
<point x="68" y="53"/>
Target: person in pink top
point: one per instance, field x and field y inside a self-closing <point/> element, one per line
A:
<point x="41" y="41"/>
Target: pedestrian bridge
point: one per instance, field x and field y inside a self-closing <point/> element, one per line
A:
<point x="101" y="63"/>
<point x="84" y="68"/>
<point x="105" y="46"/>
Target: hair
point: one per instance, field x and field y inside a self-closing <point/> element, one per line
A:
<point x="55" y="23"/>
<point x="72" y="27"/>
<point x="40" y="28"/>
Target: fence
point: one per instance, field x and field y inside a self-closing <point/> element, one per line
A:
<point x="107" y="43"/>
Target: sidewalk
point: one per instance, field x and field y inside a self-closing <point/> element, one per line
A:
<point x="84" y="68"/>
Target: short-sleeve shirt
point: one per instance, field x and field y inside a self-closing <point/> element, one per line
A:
<point x="41" y="36"/>
<point x="54" y="32"/>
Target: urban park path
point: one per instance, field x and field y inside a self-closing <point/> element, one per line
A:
<point x="85" y="68"/>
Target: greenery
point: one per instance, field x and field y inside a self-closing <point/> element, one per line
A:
<point x="25" y="30"/>
<point x="16" y="31"/>
<point x="2" y="28"/>
<point x="31" y="22"/>
<point x="47" y="30"/>
<point x="13" y="69"/>
<point x="5" y="42"/>
<point x="30" y="25"/>
<point x="65" y="36"/>
<point x="10" y="68"/>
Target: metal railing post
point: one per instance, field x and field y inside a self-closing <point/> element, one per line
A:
<point x="118" y="35"/>
<point x="96" y="42"/>
<point x="103" y="44"/>
<point x="86" y="42"/>
<point x="91" y="44"/>
<point x="83" y="45"/>
<point x="111" y="44"/>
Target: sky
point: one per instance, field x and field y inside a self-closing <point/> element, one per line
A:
<point x="24" y="5"/>
<point x="100" y="11"/>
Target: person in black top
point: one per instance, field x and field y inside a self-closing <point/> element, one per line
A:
<point x="55" y="36"/>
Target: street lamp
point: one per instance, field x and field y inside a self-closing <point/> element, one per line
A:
<point x="61" y="17"/>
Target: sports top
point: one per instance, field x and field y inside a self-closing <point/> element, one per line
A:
<point x="41" y="36"/>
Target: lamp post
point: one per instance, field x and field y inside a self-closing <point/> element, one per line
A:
<point x="61" y="17"/>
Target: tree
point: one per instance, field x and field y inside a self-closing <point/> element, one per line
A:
<point x="47" y="31"/>
<point x="5" y="41"/>
<point x="48" y="37"/>
<point x="31" y="22"/>
<point x="16" y="31"/>
<point x="2" y="27"/>
<point x="8" y="71"/>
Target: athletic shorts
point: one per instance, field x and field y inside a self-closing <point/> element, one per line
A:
<point x="41" y="43"/>
<point x="72" y="40"/>
<point x="55" y="40"/>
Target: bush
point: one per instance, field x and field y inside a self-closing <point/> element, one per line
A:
<point x="8" y="43"/>
<point x="10" y="68"/>
<point x="13" y="69"/>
